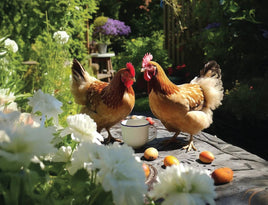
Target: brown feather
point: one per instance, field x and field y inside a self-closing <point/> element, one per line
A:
<point x="185" y="107"/>
<point x="106" y="103"/>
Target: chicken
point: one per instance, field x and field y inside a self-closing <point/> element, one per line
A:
<point x="187" y="107"/>
<point x="106" y="103"/>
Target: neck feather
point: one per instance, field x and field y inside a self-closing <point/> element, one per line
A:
<point x="160" y="82"/>
<point x="113" y="94"/>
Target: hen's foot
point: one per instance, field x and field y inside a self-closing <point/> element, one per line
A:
<point x="190" y="146"/>
<point x="111" y="140"/>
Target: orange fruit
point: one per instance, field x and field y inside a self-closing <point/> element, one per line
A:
<point x="170" y="160"/>
<point x="206" y="157"/>
<point x="222" y="175"/>
<point x="146" y="169"/>
<point x="150" y="153"/>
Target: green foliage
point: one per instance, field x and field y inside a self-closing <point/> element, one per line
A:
<point x="248" y="101"/>
<point x="100" y="21"/>
<point x="33" y="34"/>
<point x="234" y="33"/>
<point x="52" y="185"/>
<point x="135" y="49"/>
<point x="142" y="19"/>
<point x="24" y="26"/>
<point x="238" y="43"/>
<point x="53" y="71"/>
<point x="13" y="74"/>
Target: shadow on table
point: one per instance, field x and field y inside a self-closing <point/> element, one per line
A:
<point x="160" y="145"/>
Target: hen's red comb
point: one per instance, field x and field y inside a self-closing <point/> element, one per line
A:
<point x="131" y="69"/>
<point x="146" y="59"/>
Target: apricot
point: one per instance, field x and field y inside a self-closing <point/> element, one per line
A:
<point x="222" y="175"/>
<point x="170" y="160"/>
<point x="146" y="169"/>
<point x="150" y="153"/>
<point x="206" y="157"/>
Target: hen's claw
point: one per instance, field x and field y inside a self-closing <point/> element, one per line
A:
<point x="111" y="139"/>
<point x="190" y="145"/>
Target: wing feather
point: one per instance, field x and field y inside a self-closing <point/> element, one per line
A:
<point x="190" y="95"/>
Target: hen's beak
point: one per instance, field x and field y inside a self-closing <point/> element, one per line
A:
<point x="142" y="69"/>
<point x="134" y="79"/>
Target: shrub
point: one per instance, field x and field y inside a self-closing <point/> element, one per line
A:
<point x="135" y="49"/>
<point x="247" y="101"/>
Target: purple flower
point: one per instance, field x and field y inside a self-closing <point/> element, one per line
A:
<point x="113" y="28"/>
<point x="213" y="25"/>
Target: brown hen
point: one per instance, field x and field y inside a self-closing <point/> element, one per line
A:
<point x="106" y="103"/>
<point x="187" y="107"/>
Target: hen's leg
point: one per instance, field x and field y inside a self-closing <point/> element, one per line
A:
<point x="172" y="140"/>
<point x="190" y="145"/>
<point x="110" y="138"/>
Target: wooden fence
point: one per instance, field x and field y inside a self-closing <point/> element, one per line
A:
<point x="179" y="25"/>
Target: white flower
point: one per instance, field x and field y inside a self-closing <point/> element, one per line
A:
<point x="184" y="185"/>
<point x="83" y="156"/>
<point x="3" y="137"/>
<point x="29" y="119"/>
<point x="24" y="142"/>
<point x="11" y="45"/>
<point x="63" y="154"/>
<point x="61" y="37"/>
<point x="46" y="104"/>
<point x="8" y="119"/>
<point x="120" y="173"/>
<point x="118" y="170"/>
<point x="6" y="96"/>
<point x="82" y="128"/>
<point x="9" y="108"/>
<point x="36" y="160"/>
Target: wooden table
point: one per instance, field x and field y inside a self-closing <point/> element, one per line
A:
<point x="250" y="183"/>
<point x="105" y="62"/>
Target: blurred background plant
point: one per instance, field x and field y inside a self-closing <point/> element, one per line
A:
<point x="42" y="61"/>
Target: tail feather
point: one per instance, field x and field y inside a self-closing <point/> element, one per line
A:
<point x="78" y="71"/>
<point x="81" y="80"/>
<point x="211" y="69"/>
<point x="211" y="83"/>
